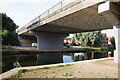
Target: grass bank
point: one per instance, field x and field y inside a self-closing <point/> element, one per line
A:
<point x="9" y="48"/>
<point x="74" y="70"/>
<point x="22" y="71"/>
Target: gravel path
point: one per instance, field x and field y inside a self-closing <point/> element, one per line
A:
<point x="96" y="69"/>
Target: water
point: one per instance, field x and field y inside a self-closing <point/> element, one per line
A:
<point x="79" y="54"/>
<point x="67" y="59"/>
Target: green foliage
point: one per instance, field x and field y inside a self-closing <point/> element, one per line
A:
<point x="89" y="38"/>
<point x="113" y="42"/>
<point x="7" y="62"/>
<point x="9" y="36"/>
<point x="64" y="65"/>
<point x="61" y="66"/>
<point x="75" y="58"/>
<point x="111" y="48"/>
<point x="19" y="73"/>
<point x="8" y="48"/>
<point x="78" y="58"/>
<point x="88" y="56"/>
<point x="67" y="74"/>
<point x="46" y="68"/>
<point x="7" y="23"/>
<point x="107" y="48"/>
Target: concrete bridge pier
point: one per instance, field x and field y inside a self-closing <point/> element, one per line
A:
<point x="117" y="42"/>
<point x="49" y="41"/>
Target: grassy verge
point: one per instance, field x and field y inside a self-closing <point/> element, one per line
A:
<point x="100" y="49"/>
<point x="8" y="48"/>
<point x="20" y="72"/>
<point x="96" y="49"/>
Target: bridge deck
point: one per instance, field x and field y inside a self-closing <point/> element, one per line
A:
<point x="75" y="17"/>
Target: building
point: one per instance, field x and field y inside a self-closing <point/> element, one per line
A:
<point x="68" y="40"/>
<point x="109" y="40"/>
<point x="72" y="42"/>
<point x="105" y="41"/>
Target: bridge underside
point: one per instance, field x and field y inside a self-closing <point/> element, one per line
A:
<point x="81" y="21"/>
<point x="87" y="19"/>
<point x="79" y="18"/>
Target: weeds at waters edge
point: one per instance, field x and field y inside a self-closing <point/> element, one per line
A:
<point x="45" y="68"/>
<point x="19" y="73"/>
<point x="8" y="48"/>
<point x="64" y="65"/>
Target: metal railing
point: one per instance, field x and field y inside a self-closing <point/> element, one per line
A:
<point x="49" y="11"/>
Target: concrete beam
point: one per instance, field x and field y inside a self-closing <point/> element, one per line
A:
<point x="110" y="11"/>
<point x="109" y="6"/>
<point x="22" y="30"/>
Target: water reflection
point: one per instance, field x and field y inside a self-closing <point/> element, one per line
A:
<point x="7" y="62"/>
<point x="49" y="58"/>
<point x="91" y="55"/>
<point x="27" y="60"/>
<point x="67" y="59"/>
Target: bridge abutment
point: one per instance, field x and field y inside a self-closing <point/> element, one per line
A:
<point x="117" y="42"/>
<point x="27" y="40"/>
<point x="49" y="41"/>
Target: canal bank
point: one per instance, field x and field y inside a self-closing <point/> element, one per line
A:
<point x="96" y="68"/>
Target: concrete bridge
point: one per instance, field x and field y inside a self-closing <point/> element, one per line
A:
<point x="50" y="28"/>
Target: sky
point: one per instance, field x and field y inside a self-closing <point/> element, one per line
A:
<point x="23" y="11"/>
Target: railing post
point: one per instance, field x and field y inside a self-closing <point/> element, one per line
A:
<point x="39" y="19"/>
<point x="61" y="4"/>
<point x="48" y="12"/>
<point x="32" y="22"/>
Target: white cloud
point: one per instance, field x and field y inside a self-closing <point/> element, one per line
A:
<point x="23" y="12"/>
<point x="109" y="32"/>
<point x="29" y="1"/>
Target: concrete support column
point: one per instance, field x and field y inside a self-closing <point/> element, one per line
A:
<point x="50" y="41"/>
<point x="117" y="42"/>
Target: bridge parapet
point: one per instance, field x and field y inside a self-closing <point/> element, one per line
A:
<point x="61" y="6"/>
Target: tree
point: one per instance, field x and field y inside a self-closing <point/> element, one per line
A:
<point x="113" y="42"/>
<point x="94" y="38"/>
<point x="9" y="36"/>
